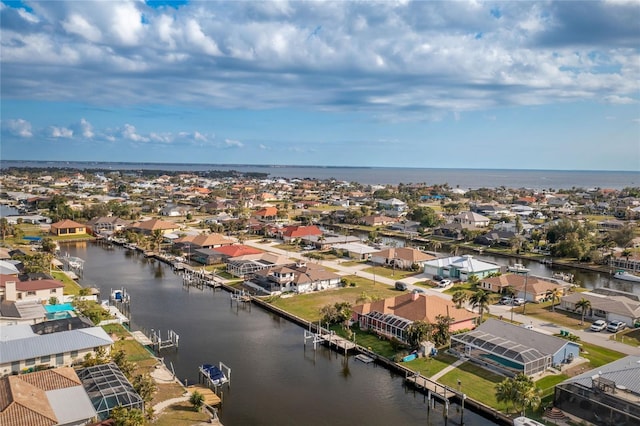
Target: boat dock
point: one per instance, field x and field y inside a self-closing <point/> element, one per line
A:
<point x="330" y="338"/>
<point x="141" y="338"/>
<point x="210" y="397"/>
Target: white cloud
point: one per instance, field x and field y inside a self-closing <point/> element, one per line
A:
<point x="60" y="132"/>
<point x="77" y="24"/>
<point x="18" y="127"/>
<point x="86" y="129"/>
<point x="129" y="132"/>
<point x="615" y="99"/>
<point x="231" y="143"/>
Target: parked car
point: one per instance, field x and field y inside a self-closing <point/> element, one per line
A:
<point x="506" y="300"/>
<point x="615" y="326"/>
<point x="518" y="301"/>
<point x="419" y="291"/>
<point x="598" y="325"/>
<point x="437" y="278"/>
<point x="444" y="283"/>
<point x="401" y="286"/>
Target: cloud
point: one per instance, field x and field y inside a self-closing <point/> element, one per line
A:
<point x="401" y="60"/>
<point x="129" y="132"/>
<point x="615" y="99"/>
<point x="60" y="132"/>
<point x="86" y="129"/>
<point x="17" y="127"/>
<point x="230" y="143"/>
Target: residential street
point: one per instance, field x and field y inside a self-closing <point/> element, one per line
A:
<point x="597" y="338"/>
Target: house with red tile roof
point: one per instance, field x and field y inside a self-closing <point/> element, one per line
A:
<point x="13" y="290"/>
<point x="68" y="227"/>
<point x="290" y="233"/>
<point x="222" y="254"/>
<point x="530" y="288"/>
<point x="391" y="317"/>
<point x="203" y="241"/>
<point x="45" y="398"/>
<point x="267" y="213"/>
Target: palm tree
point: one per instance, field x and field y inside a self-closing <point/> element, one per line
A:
<point x="459" y="298"/>
<point x="442" y="330"/>
<point x="525" y="392"/>
<point x="480" y="300"/>
<point x="505" y="392"/>
<point x="584" y="305"/>
<point x="417" y="332"/>
<point x="554" y="293"/>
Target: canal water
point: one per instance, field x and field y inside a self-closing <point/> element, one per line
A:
<point x="274" y="379"/>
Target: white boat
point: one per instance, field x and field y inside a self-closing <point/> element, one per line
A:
<point x="626" y="276"/>
<point x="517" y="268"/>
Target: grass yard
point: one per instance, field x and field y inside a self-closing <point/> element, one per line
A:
<point x="548" y="383"/>
<point x="398" y="274"/>
<point x="70" y="286"/>
<point x="308" y="306"/>
<point x="476" y="382"/>
<point x="430" y="366"/>
<point x="598" y="355"/>
<point x="562" y="318"/>
<point x="630" y="337"/>
<point x="181" y="413"/>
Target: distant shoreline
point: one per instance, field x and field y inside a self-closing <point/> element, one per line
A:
<point x="552" y="180"/>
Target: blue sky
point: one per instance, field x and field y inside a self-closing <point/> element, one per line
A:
<point x="524" y="85"/>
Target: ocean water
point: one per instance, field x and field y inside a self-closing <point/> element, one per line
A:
<point x="460" y="178"/>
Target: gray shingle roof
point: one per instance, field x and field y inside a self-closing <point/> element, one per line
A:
<point x="625" y="372"/>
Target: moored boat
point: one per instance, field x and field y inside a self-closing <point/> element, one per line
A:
<point x="517" y="268"/>
<point x="626" y="276"/>
<point x="214" y="374"/>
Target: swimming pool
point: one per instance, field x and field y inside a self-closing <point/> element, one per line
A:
<point x="59" y="315"/>
<point x="59" y="308"/>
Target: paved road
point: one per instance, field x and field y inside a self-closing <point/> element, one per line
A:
<point x="597" y="338"/>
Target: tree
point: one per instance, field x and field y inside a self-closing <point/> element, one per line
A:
<point x="197" y="400"/>
<point x="584" y="305"/>
<point x="554" y="293"/>
<point x="417" y="332"/>
<point x="426" y="216"/>
<point x="459" y="297"/>
<point x="442" y="333"/>
<point x="480" y="300"/>
<point x="520" y="390"/>
<point x="127" y="416"/>
<point x="505" y="392"/>
<point x="473" y="280"/>
<point x="145" y="386"/>
<point x="48" y="245"/>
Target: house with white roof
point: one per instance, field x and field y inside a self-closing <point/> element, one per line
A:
<point x="606" y="304"/>
<point x="392" y="204"/>
<point x="460" y="267"/>
<point x="21" y="348"/>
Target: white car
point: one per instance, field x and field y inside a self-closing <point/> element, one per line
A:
<point x="444" y="283"/>
<point x="598" y="325"/>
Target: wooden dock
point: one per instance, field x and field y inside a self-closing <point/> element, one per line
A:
<point x="210" y="397"/>
<point x="141" y="338"/>
<point x="435" y="388"/>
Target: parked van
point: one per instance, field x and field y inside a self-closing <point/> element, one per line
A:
<point x="401" y="286"/>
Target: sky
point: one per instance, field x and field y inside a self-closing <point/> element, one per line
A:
<point x="456" y="84"/>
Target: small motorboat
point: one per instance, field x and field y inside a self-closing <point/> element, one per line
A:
<point x="518" y="268"/>
<point x="626" y="276"/>
<point x="213" y="374"/>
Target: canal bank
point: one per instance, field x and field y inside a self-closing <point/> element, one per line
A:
<point x="276" y="379"/>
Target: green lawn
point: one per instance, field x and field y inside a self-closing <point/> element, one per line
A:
<point x="548" y="383"/>
<point x="70" y="286"/>
<point x="598" y="355"/>
<point x="430" y="366"/>
<point x="475" y="382"/>
<point x="308" y="306"/>
<point x="397" y="274"/>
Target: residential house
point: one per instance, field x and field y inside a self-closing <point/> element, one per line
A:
<point x="266" y="214"/>
<point x="298" y="278"/>
<point x="22" y="349"/>
<point x="202" y="241"/>
<point x="392" y="204"/>
<point x="68" y="227"/>
<point x="326" y="242"/>
<point x="493" y="238"/>
<point x="527" y="287"/>
<point x="378" y="220"/>
<point x="392" y="317"/>
<point x="608" y="394"/>
<point x="247" y="265"/>
<point x="511" y="349"/>
<point x="401" y="257"/>
<point x="147" y="227"/>
<point x="45" y="398"/>
<point x="470" y="218"/>
<point x="357" y="251"/>
<point x="295" y="232"/>
<point x="39" y="291"/>
<point x="460" y="267"/>
<point x="106" y="225"/>
<point x="606" y="304"/>
<point x="222" y="253"/>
